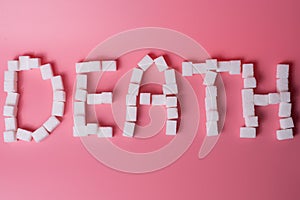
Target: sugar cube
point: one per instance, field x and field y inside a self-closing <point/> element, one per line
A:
<point x="128" y="129"/>
<point x="12" y="99"/>
<point x="92" y="128"/>
<point x="13" y="65"/>
<point x="250" y="82"/>
<point x="158" y="100"/>
<point x="145" y="98"/>
<point x="172" y="113"/>
<point x="57" y="83"/>
<point x="247" y="70"/>
<point x="9" y="136"/>
<point x="81" y="81"/>
<point x="131" y="113"/>
<point x="131" y="100"/>
<point x="210" y="103"/>
<point x="51" y="123"/>
<point x="133" y="89"/>
<point x="199" y="68"/>
<point x="93" y="99"/>
<point x="211" y="64"/>
<point x="223" y="66"/>
<point x="46" y="71"/>
<point x="247" y="132"/>
<point x="40" y="134"/>
<point x="282" y="71"/>
<point x="212" y="128"/>
<point x="9" y="111"/>
<point x="105" y="132"/>
<point x="10" y="124"/>
<point x="10" y="76"/>
<point x="235" y="67"/>
<point x="58" y="108"/>
<point x="212" y="115"/>
<point x="79" y="120"/>
<point x="85" y="67"/>
<point x="286" y="123"/>
<point x="211" y="91"/>
<point x="171" y="127"/>
<point x="170" y="89"/>
<point x="34" y="63"/>
<point x="109" y="65"/>
<point x="59" y="95"/>
<point x="251" y="121"/>
<point x="136" y="76"/>
<point x="261" y="99"/>
<point x="146" y="62"/>
<point x="210" y="78"/>
<point x="10" y="86"/>
<point x="24" y="135"/>
<point x="285" y="109"/>
<point x="161" y="63"/>
<point x="24" y="62"/>
<point x="274" y="98"/>
<point x="106" y="97"/>
<point x="171" y="101"/>
<point x="80" y="131"/>
<point x="187" y="68"/>
<point x="282" y="85"/>
<point x="285" y="96"/>
<point x="170" y="76"/>
<point x="81" y="95"/>
<point x="284" y="134"/>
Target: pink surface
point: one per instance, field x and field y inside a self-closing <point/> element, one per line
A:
<point x="63" y="33"/>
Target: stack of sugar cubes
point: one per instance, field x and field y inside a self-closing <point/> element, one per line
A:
<point x="210" y="69"/>
<point x="82" y="98"/>
<point x="12" y="132"/>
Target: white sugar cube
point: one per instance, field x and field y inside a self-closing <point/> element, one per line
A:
<point x="274" y="98"/>
<point x="284" y="134"/>
<point x="282" y="71"/>
<point x="92" y="128"/>
<point x="24" y="62"/>
<point x="80" y="131"/>
<point x="9" y="111"/>
<point x="172" y="113"/>
<point x="59" y="95"/>
<point x="128" y="129"/>
<point x="79" y="108"/>
<point x="106" y="132"/>
<point x="199" y="68"/>
<point x="171" y="101"/>
<point x="211" y="91"/>
<point x="13" y="65"/>
<point x="81" y="95"/>
<point x="285" y="96"/>
<point x="136" y="76"/>
<point x="58" y="108"/>
<point x="24" y="135"/>
<point x="248" y="109"/>
<point x="46" y="71"/>
<point x="57" y="83"/>
<point x="212" y="128"/>
<point x="285" y="109"/>
<point x="170" y="76"/>
<point x="93" y="99"/>
<point x="235" y="67"/>
<point x="247" y="95"/>
<point x="171" y="127"/>
<point x="85" y="67"/>
<point x="10" y="76"/>
<point x="261" y="99"/>
<point x="131" y="113"/>
<point x="133" y="89"/>
<point x="12" y="99"/>
<point x="161" y="63"/>
<point x="210" y="103"/>
<point x="10" y="124"/>
<point x="40" y="134"/>
<point x="34" y="63"/>
<point x="282" y="85"/>
<point x="51" y="123"/>
<point x="106" y="97"/>
<point x="247" y="132"/>
<point x="212" y="115"/>
<point x="247" y="70"/>
<point x="81" y="81"/>
<point x="286" y="123"/>
<point x="158" y="100"/>
<point x="145" y="98"/>
<point x="211" y="64"/>
<point x="210" y="78"/>
<point x="170" y="89"/>
<point x="146" y="62"/>
<point x="79" y="120"/>
<point x="251" y="121"/>
<point x="250" y="82"/>
<point x="10" y="86"/>
<point x="131" y="100"/>
<point x="9" y="136"/>
<point x="223" y="66"/>
<point x="109" y="65"/>
<point x="187" y="68"/>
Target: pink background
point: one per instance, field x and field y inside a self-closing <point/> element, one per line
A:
<point x="63" y="33"/>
